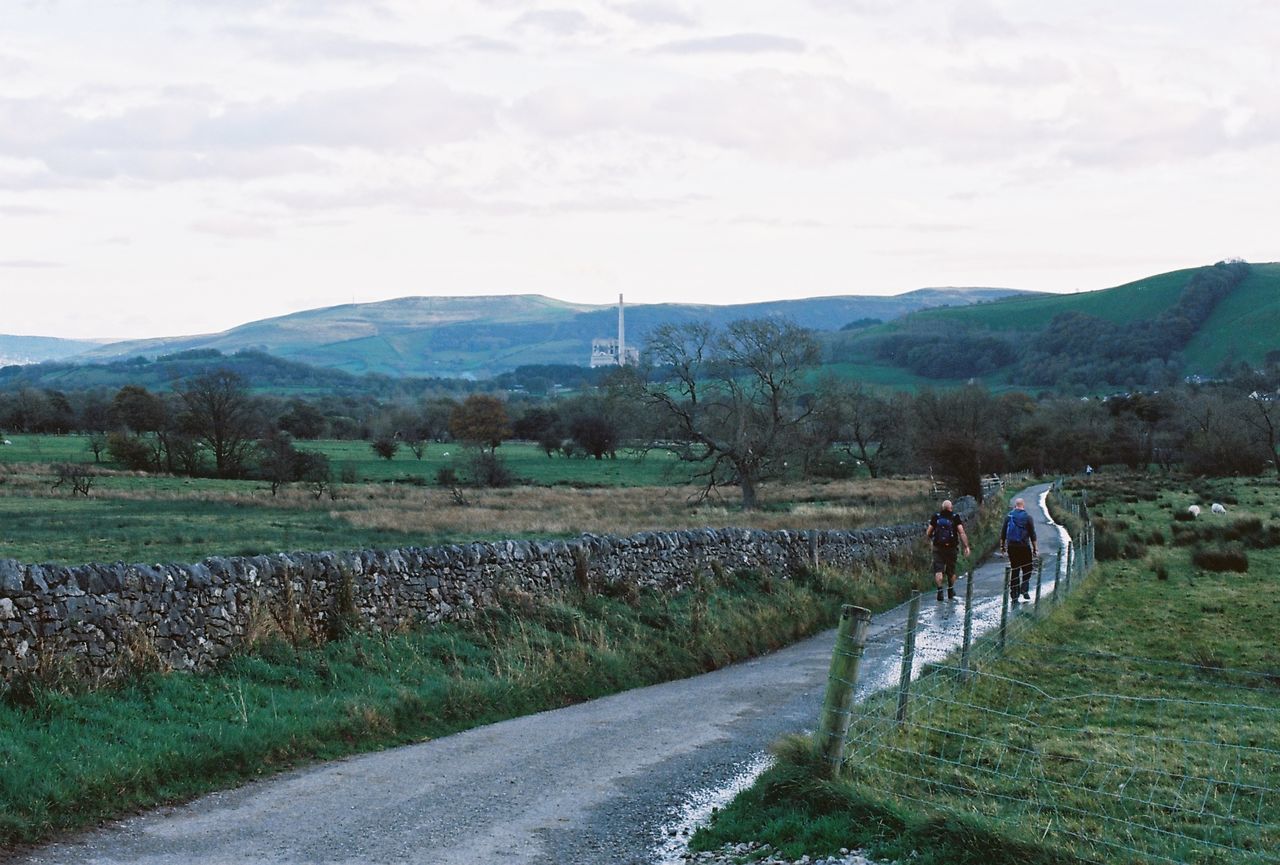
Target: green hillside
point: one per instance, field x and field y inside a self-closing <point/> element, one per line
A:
<point x="1142" y="333"/>
<point x="1141" y="299"/>
<point x="1245" y="326"/>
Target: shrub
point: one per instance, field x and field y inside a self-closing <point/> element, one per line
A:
<point x="1229" y="557"/>
<point x="1107" y="547"/>
<point x="132" y="452"/>
<point x="446" y="476"/>
<point x="490" y="470"/>
<point x="385" y="446"/>
<point x="1133" y="548"/>
<point x="1242" y="528"/>
<point x="1156" y="538"/>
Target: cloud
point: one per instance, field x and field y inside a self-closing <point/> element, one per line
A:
<point x="656" y="12"/>
<point x="179" y="135"/>
<point x="483" y="44"/>
<point x="442" y="197"/>
<point x="1027" y="72"/>
<point x="560" y="22"/>
<point x="11" y="66"/>
<point x="25" y="210"/>
<point x="763" y="113"/>
<point x="296" y="45"/>
<point x="735" y="43"/>
<point x="976" y="20"/>
<point x="233" y="227"/>
<point x="29" y="264"/>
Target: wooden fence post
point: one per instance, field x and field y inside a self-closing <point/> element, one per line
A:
<point x="1039" y="577"/>
<point x="908" y="657"/>
<point x="1004" y="609"/>
<point x="968" y="627"/>
<point x="842" y="680"/>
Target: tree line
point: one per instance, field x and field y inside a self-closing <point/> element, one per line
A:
<point x="740" y="404"/>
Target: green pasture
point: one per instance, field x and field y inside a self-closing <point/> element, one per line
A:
<point x="356" y="458"/>
<point x="66" y="530"/>
<point x="527" y="461"/>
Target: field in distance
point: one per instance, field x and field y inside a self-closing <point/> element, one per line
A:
<point x="155" y="518"/>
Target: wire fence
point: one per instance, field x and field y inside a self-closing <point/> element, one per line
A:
<point x="1111" y="758"/>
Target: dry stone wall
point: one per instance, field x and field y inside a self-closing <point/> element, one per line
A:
<point x="96" y="616"/>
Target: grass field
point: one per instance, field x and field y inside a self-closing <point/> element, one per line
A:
<point x="1138" y="723"/>
<point x="527" y="461"/>
<point x="147" y="518"/>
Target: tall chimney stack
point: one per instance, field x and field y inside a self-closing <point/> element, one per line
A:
<point x="622" y="337"/>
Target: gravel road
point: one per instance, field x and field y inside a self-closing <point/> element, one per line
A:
<point x="599" y="783"/>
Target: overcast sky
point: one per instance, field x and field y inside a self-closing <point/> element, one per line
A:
<point x="182" y="166"/>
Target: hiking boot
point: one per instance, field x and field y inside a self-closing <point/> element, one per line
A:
<point x="1026" y="596"/>
<point x="939" y="594"/>
<point x="951" y="593"/>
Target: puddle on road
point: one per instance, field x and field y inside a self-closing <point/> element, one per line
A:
<point x="696" y="809"/>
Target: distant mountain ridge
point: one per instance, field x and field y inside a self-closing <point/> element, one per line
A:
<point x="21" y="350"/>
<point x="484" y="336"/>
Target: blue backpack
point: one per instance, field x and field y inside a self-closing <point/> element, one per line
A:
<point x="1015" y="530"/>
<point x="944" y="530"/>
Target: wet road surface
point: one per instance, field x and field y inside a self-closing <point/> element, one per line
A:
<point x="595" y="783"/>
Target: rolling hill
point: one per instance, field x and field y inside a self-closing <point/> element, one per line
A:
<point x="16" y="350"/>
<point x="482" y="336"/>
<point x="1067" y="331"/>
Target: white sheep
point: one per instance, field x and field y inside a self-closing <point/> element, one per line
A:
<point x="1194" y="510"/>
<point x="1218" y="508"/>
<point x="7" y="442"/>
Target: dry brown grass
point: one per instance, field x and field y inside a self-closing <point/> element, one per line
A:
<point x="565" y="511"/>
<point x="538" y="511"/>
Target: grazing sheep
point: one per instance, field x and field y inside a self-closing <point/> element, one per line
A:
<point x="1218" y="508"/>
<point x="1194" y="510"/>
<point x="6" y="441"/>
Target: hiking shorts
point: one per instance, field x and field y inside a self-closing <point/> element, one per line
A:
<point x="944" y="560"/>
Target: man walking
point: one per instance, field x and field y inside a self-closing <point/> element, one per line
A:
<point x="946" y="531"/>
<point x="1018" y="538"/>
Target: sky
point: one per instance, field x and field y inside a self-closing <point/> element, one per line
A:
<point x="182" y="166"/>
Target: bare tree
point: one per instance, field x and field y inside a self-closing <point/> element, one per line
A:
<point x="869" y="426"/>
<point x="732" y="397"/>
<point x="1264" y="420"/>
<point x="958" y="432"/>
<point x="220" y="413"/>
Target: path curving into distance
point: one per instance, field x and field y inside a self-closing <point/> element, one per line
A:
<point x="598" y="783"/>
